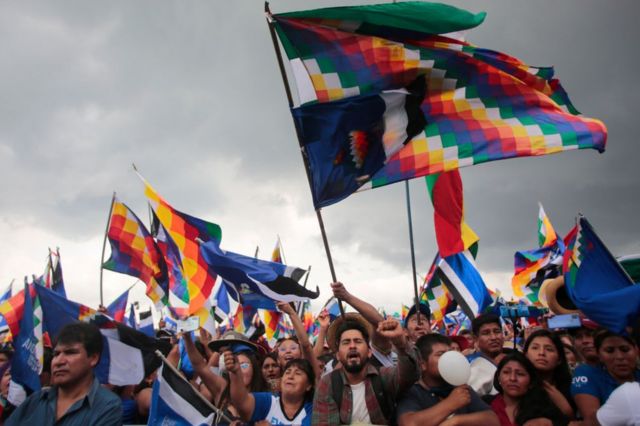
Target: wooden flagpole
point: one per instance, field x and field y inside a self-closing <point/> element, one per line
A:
<point x="413" y="254"/>
<point x="104" y="246"/>
<point x="287" y="88"/>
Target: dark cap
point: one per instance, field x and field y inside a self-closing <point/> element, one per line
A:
<point x="424" y="310"/>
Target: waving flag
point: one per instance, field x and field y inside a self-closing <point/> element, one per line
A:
<point x="174" y="401"/>
<point x="178" y="293"/>
<point x="532" y="267"/>
<point x="436" y="295"/>
<point x="243" y="320"/>
<point x="4" y="326"/>
<point x="452" y="232"/>
<point x="185" y="231"/>
<point x="276" y="255"/>
<point x="28" y="359"/>
<point x="463" y="280"/>
<point x="12" y="310"/>
<point x="597" y="283"/>
<point x="117" y="308"/>
<point x="127" y="355"/>
<point x="135" y="253"/>
<point x="480" y="105"/>
<point x="270" y="319"/>
<point x="222" y="306"/>
<point x="269" y="279"/>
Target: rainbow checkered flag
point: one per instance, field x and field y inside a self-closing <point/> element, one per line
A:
<point x="188" y="232"/>
<point x="534" y="266"/>
<point x="356" y="79"/>
<point x="134" y="252"/>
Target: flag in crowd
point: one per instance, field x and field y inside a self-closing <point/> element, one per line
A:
<point x="118" y="307"/>
<point x="532" y="267"/>
<point x="134" y="252"/>
<point x="28" y="360"/>
<point x="479" y="106"/>
<point x="187" y="232"/>
<point x="597" y="283"/>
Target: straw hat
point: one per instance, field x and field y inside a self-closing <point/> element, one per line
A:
<point x="351" y="316"/>
<point x="236" y="341"/>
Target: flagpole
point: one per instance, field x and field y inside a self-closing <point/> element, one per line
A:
<point x="218" y="411"/>
<point x="287" y="89"/>
<point x="413" y="253"/>
<point x="104" y="246"/>
<point x="284" y="259"/>
<point x="256" y="253"/>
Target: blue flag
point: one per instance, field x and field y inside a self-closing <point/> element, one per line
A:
<point x="347" y="141"/>
<point x="3" y="321"/>
<point x="26" y="363"/>
<point x="174" y="401"/>
<point x="463" y="280"/>
<point x="118" y="307"/>
<point x="597" y="283"/>
<point x="250" y="275"/>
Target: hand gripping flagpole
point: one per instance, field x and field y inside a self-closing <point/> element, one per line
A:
<point x="287" y="88"/>
<point x="104" y="246"/>
<point x="413" y="253"/>
<point x="219" y="413"/>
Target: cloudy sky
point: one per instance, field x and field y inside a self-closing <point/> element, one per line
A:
<point x="190" y="92"/>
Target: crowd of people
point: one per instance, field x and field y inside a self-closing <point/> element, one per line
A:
<point x="362" y="368"/>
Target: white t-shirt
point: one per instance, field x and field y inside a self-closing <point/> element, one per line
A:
<point x="360" y="413"/>
<point x="623" y="406"/>
<point x="268" y="407"/>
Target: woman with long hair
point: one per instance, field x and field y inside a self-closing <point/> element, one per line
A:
<point x="271" y="372"/>
<point x="521" y="394"/>
<point x="292" y="407"/>
<point x="592" y="385"/>
<point x="546" y="352"/>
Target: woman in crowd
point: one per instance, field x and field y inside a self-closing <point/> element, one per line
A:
<point x="296" y="347"/>
<point x="592" y="385"/>
<point x="218" y="385"/>
<point x="271" y="372"/>
<point x="521" y="394"/>
<point x="292" y="407"/>
<point x="546" y="352"/>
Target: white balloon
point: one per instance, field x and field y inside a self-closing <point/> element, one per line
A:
<point x="454" y="368"/>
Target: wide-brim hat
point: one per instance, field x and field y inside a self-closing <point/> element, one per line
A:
<point x="238" y="342"/>
<point x="556" y="296"/>
<point x="350" y="316"/>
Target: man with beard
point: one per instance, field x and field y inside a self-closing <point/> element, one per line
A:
<point x="76" y="397"/>
<point x="358" y="392"/>
<point x="489" y="340"/>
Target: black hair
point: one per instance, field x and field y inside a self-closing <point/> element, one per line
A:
<point x="465" y="331"/>
<point x="351" y="324"/>
<point x="603" y="335"/>
<point x="425" y="343"/>
<point x="535" y="403"/>
<point x="82" y="332"/>
<point x="258" y="383"/>
<point x="305" y="366"/>
<point x="481" y="320"/>
<point x="561" y="374"/>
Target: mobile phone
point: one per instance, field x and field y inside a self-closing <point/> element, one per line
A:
<point x="564" y="321"/>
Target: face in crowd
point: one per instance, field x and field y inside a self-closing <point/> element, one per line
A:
<point x="514" y="380"/>
<point x="490" y="339"/>
<point x="414" y="329"/>
<point x="543" y="354"/>
<point x="71" y="364"/>
<point x="353" y="351"/>
<point x="619" y="357"/>
<point x="585" y="346"/>
<point x="246" y="369"/>
<point x="288" y="350"/>
<point x="270" y="369"/>
<point x="295" y="382"/>
<point x="429" y="367"/>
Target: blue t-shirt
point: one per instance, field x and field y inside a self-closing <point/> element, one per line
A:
<point x="269" y="407"/>
<point x="595" y="381"/>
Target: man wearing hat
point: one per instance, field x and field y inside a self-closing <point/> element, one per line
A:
<point x="417" y="326"/>
<point x="357" y="392"/>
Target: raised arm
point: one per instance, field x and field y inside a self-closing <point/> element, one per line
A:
<point x="324" y="320"/>
<point x="212" y="381"/>
<point x="405" y="373"/>
<point x="303" y="338"/>
<point x="241" y="398"/>
<point x="365" y="309"/>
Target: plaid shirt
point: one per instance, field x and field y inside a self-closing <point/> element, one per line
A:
<point x="394" y="381"/>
